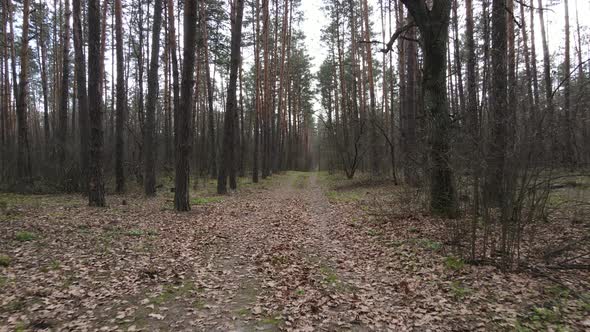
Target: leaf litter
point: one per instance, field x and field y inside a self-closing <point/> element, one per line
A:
<point x="284" y="258"/>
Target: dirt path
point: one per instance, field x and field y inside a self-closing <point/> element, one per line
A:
<point x="275" y="256"/>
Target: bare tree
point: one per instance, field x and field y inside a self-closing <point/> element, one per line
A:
<point x="121" y="102"/>
<point x="96" y="191"/>
<point x="227" y="163"/>
<point x="184" y="112"/>
<point x="24" y="155"/>
<point x="62" y="131"/>
<point x="149" y="146"/>
<point x="82" y="95"/>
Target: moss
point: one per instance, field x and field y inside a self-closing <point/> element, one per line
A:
<point x="24" y="236"/>
<point x="330" y="276"/>
<point x="275" y="321"/>
<point x="343" y="196"/>
<point x="134" y="232"/>
<point x="454" y="263"/>
<point x="243" y="312"/>
<point x="4" y="260"/>
<point x="206" y="200"/>
<point x="459" y="291"/>
<point x="171" y="292"/>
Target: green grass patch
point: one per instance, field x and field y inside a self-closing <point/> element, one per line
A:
<point x="429" y="244"/>
<point x="343" y="196"/>
<point x="454" y="263"/>
<point x="243" y="312"/>
<point x="199" y="304"/>
<point x="24" y="236"/>
<point x="272" y="321"/>
<point x="206" y="200"/>
<point x="54" y="265"/>
<point x="171" y="292"/>
<point x="3" y="281"/>
<point x="459" y="291"/>
<point x="134" y="232"/>
<point x="4" y="261"/>
<point x="550" y="316"/>
<point x="301" y="181"/>
<point x="374" y="232"/>
<point x="329" y="275"/>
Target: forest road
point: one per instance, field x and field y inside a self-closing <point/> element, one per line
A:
<point x="298" y="265"/>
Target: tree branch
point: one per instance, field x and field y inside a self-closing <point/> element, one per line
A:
<point x="396" y="35"/>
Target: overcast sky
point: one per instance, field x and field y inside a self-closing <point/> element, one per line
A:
<point x="315" y="20"/>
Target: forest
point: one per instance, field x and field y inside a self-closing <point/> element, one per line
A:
<point x="294" y="165"/>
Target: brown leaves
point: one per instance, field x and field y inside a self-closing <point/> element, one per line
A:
<point x="283" y="258"/>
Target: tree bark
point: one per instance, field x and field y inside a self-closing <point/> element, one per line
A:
<point x="62" y="132"/>
<point x="42" y="50"/>
<point x="212" y="146"/>
<point x="96" y="182"/>
<point x="257" y="101"/>
<point x="569" y="157"/>
<point x="434" y="28"/>
<point x="149" y="146"/>
<point x="24" y="157"/>
<point x="472" y="116"/>
<point x="498" y="106"/>
<point x="173" y="48"/>
<point x="82" y="95"/>
<point x="227" y="162"/>
<point x="372" y="103"/>
<point x="121" y="103"/>
<point x="546" y="69"/>
<point x="183" y="115"/>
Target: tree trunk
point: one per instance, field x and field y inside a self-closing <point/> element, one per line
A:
<point x="172" y="48"/>
<point x="121" y="103"/>
<point x="569" y="157"/>
<point x="472" y="117"/>
<point x="183" y="115"/>
<point x="24" y="157"/>
<point x="547" y="71"/>
<point x="457" y="59"/>
<point x="42" y="50"/>
<point x="96" y="183"/>
<point x="62" y="130"/>
<point x="534" y="55"/>
<point x="372" y="103"/>
<point x="149" y="144"/>
<point x="82" y="95"/>
<point x="257" y="102"/>
<point x="212" y="146"/>
<point x="266" y="101"/>
<point x="498" y="106"/>
<point x="434" y="28"/>
<point x="227" y="162"/>
<point x="530" y="108"/>
<point x="410" y="109"/>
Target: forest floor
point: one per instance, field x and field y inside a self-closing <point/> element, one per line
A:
<point x="299" y="251"/>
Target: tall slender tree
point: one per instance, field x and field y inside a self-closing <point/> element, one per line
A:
<point x="82" y="95"/>
<point x="24" y="154"/>
<point x="227" y="164"/>
<point x="149" y="146"/>
<point x="498" y="103"/>
<point x="96" y="192"/>
<point x="569" y="140"/>
<point x="433" y="22"/>
<point x="184" y="113"/>
<point x="372" y="100"/>
<point x="121" y="102"/>
<point x="62" y="131"/>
